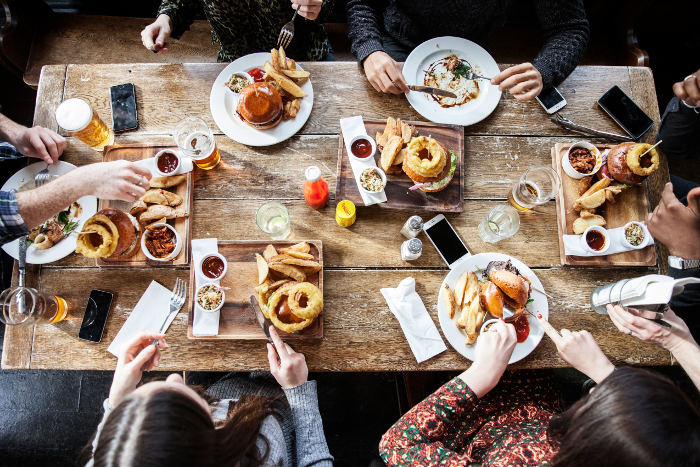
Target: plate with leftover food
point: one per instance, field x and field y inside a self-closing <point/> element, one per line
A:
<point x="56" y="238"/>
<point x="443" y="62"/>
<point x="491" y="286"/>
<point x="262" y="98"/>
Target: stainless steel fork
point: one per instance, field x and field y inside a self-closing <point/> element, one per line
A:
<point x="287" y="33"/>
<point x="42" y="177"/>
<point x="472" y="75"/>
<point x="177" y="299"/>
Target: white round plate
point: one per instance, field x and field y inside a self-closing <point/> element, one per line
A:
<point x="222" y="102"/>
<point x="25" y="178"/>
<point x="482" y="63"/>
<point x="457" y="338"/>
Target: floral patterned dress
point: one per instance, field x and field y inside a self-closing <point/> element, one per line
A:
<point x="508" y="426"/>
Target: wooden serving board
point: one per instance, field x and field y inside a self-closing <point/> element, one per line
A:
<point x="182" y="225"/>
<point x="630" y="205"/>
<point x="237" y="320"/>
<point x="451" y="199"/>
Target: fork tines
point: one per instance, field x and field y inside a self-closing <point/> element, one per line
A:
<point x="177" y="298"/>
<point x="285" y="38"/>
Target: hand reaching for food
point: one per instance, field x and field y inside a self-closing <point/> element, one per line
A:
<point x="309" y="9"/>
<point x="155" y="36"/>
<point x="524" y="81"/>
<point x="580" y="350"/>
<point x="384" y="74"/>
<point x="493" y="351"/>
<point x="688" y="90"/>
<point x="675" y="225"/>
<point x="122" y="180"/>
<point x="287" y="366"/>
<point x="637" y="323"/>
<point x="137" y="356"/>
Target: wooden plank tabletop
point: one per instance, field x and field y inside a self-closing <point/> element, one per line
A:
<point x="360" y="333"/>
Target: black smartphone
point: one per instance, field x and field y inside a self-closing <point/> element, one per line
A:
<point x="123" y="101"/>
<point x="445" y="240"/>
<point x="95" y="315"/>
<point x="625" y="112"/>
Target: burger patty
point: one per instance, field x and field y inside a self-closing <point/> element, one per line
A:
<point x="501" y="266"/>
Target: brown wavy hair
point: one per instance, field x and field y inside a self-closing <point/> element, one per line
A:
<point x="169" y="428"/>
<point x="634" y="418"/>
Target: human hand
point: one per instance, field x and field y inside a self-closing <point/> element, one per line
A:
<point x="40" y="142"/>
<point x="155" y="36"/>
<point x="581" y="351"/>
<point x="675" y="225"/>
<point x="384" y="74"/>
<point x="287" y="366"/>
<point x="309" y="9"/>
<point x="493" y="351"/>
<point x="122" y="180"/>
<point x="523" y="81"/>
<point x="137" y="356"/>
<point x="688" y="90"/>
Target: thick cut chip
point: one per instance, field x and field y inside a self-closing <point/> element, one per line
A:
<point x="304" y="247"/>
<point x="289" y="271"/>
<point x="390" y="151"/>
<point x="269" y="252"/>
<point x="287" y="84"/>
<point x="263" y="269"/>
<point x="448" y="299"/>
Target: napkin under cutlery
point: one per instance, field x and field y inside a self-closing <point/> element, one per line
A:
<point x="573" y="247"/>
<point x="351" y="127"/>
<point x="415" y="321"/>
<point x="204" y="323"/>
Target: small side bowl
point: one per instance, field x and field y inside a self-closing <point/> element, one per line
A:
<point x="644" y="240"/>
<point x="569" y="169"/>
<point x="606" y="236"/>
<point x="243" y="75"/>
<point x="218" y="255"/>
<point x="159" y="172"/>
<point x="175" y="252"/>
<point x="487" y="323"/>
<point x="371" y="142"/>
<point x="382" y="175"/>
<point x="223" y="299"/>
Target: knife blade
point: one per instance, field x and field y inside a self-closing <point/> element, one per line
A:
<point x="260" y="317"/>
<point x="435" y="91"/>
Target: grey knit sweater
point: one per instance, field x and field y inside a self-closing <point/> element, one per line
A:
<point x="411" y="22"/>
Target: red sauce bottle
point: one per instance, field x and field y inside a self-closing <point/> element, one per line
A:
<point x="315" y="188"/>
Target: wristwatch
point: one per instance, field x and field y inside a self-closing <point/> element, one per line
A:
<point x="676" y="262"/>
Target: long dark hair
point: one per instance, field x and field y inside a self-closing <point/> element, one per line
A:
<point x="169" y="428"/>
<point x="633" y="418"/>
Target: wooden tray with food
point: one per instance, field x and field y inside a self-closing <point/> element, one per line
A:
<point x="612" y="197"/>
<point x="408" y="147"/>
<point x="277" y="273"/>
<point x="160" y="217"/>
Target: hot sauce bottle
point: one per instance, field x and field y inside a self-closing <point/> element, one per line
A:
<point x="315" y="188"/>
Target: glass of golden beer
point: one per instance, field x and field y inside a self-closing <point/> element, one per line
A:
<point x="26" y="306"/>
<point x="79" y="120"/>
<point x="196" y="141"/>
<point x="536" y="186"/>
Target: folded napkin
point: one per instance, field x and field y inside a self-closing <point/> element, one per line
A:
<point x="185" y="165"/>
<point x="147" y="316"/>
<point x="351" y="127"/>
<point x="205" y="323"/>
<point x="573" y="243"/>
<point x="417" y="326"/>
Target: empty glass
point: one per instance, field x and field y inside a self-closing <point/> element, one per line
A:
<point x="25" y="306"/>
<point x="501" y="222"/>
<point x="536" y="186"/>
<point x="273" y="219"/>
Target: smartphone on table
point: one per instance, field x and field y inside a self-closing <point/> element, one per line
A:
<point x="625" y="112"/>
<point x="123" y="102"/>
<point x="445" y="240"/>
<point x="551" y="100"/>
<point x="95" y="316"/>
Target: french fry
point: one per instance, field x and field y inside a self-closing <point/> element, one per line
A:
<point x="269" y="252"/>
<point x="282" y="59"/>
<point x="301" y="246"/>
<point x="263" y="269"/>
<point x="449" y="300"/>
<point x="296" y="74"/>
<point x="460" y="288"/>
<point x="289" y="271"/>
<point x="286" y="83"/>
<point x="274" y="58"/>
<point x="291" y="64"/>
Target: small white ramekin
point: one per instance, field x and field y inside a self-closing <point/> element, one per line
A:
<point x="569" y="169"/>
<point x="172" y="255"/>
<point x="371" y="142"/>
<point x="606" y="236"/>
<point x="644" y="241"/>
<point x="223" y="299"/>
<point x="382" y="175"/>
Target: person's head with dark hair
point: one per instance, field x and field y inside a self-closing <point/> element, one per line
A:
<point x="634" y="418"/>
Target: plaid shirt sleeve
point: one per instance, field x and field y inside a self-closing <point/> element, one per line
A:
<point x="11" y="223"/>
<point x="8" y="151"/>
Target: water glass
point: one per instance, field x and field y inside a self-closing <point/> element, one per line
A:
<point x="501" y="222"/>
<point x="273" y="219"/>
<point x="536" y="186"/>
<point x="26" y="306"/>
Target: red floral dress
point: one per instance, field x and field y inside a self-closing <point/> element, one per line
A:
<point x="508" y="426"/>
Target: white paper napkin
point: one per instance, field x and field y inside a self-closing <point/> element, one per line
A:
<point x="205" y="323"/>
<point x="185" y="165"/>
<point x="573" y="246"/>
<point x="417" y="326"/>
<point x="147" y="316"/>
<point x="654" y="289"/>
<point x="351" y="127"/>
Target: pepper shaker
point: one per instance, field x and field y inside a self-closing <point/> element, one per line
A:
<point x="412" y="227"/>
<point x="411" y="249"/>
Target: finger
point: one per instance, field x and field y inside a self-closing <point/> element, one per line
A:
<point x="60" y="141"/>
<point x="144" y="357"/>
<point x="38" y="145"/>
<point x="523" y="87"/>
<point x="147" y="36"/>
<point x="693" y="198"/>
<point x="289" y="349"/>
<point x="279" y="345"/>
<point x="508" y="72"/>
<point x="528" y="95"/>
<point x="272" y="358"/>
<point x="667" y="195"/>
<point x="635" y="323"/>
<point x="50" y="146"/>
<point x="388" y="85"/>
<point x="679" y="91"/>
<point x="513" y="80"/>
<point x="375" y="84"/>
<point x="397" y="78"/>
<point x="691" y="88"/>
<point x="143" y="171"/>
<point x="613" y="314"/>
<point x="162" y="36"/>
<point x="565" y="333"/>
<point x="163" y="50"/>
<point x="154" y="362"/>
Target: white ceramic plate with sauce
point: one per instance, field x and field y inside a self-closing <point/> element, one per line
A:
<point x="482" y="63"/>
<point x="457" y="337"/>
<point x="223" y="101"/>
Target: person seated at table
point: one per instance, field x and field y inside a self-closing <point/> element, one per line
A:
<point x="679" y="130"/>
<point x="385" y="32"/>
<point x="17" y="141"/>
<point x="243" y="28"/>
<point x="232" y="423"/>
<point x="633" y="417"/>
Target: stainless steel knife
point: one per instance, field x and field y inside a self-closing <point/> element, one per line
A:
<point x="429" y="90"/>
<point x="260" y="317"/>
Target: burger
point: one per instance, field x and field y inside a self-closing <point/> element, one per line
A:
<point x="260" y="106"/>
<point x="428" y="164"/>
<point x="109" y="234"/>
<point x="626" y="164"/>
<point x="505" y="287"/>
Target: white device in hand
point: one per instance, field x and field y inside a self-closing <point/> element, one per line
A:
<point x="551" y="100"/>
<point x="445" y="240"/>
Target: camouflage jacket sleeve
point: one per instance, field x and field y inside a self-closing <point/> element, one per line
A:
<point x="181" y="12"/>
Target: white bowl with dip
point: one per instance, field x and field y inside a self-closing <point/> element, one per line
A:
<point x="202" y="264"/>
<point x="382" y="176"/>
<point x="167" y="162"/>
<point x="218" y="307"/>
<point x="372" y="149"/>
<point x="243" y="76"/>
<point x="172" y="255"/>
<point x="594" y="238"/>
<point x="487" y="324"/>
<point x="569" y="169"/>
<point x="645" y="235"/>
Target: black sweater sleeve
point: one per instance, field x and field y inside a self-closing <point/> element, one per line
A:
<point x="566" y="34"/>
<point x="364" y="26"/>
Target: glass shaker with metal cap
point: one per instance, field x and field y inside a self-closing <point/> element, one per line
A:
<point x="412" y="227"/>
<point x="411" y="249"/>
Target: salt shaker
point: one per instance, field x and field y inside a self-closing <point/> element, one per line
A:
<point x="412" y="227"/>
<point x="411" y="249"/>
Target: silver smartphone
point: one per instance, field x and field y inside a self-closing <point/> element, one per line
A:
<point x="551" y="100"/>
<point x="445" y="240"/>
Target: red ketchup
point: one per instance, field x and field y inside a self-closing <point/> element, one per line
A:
<point x="315" y="188"/>
<point x="167" y="162"/>
<point x="213" y="267"/>
<point x="361" y="148"/>
<point x="257" y="74"/>
<point x="522" y="328"/>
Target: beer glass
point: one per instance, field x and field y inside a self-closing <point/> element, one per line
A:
<point x="79" y="120"/>
<point x="196" y="141"/>
<point x="26" y="306"/>
<point x="273" y="219"/>
<point x="536" y="186"/>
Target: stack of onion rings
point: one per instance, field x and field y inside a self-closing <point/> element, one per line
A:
<point x="296" y="293"/>
<point x="105" y="229"/>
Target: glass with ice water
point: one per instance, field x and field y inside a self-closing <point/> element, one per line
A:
<point x="501" y="222"/>
<point x="536" y="186"/>
<point x="273" y="219"/>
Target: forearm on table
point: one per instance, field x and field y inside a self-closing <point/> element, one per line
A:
<point x="688" y="356"/>
<point x="311" y="446"/>
<point x="39" y="204"/>
<point x="9" y="130"/>
<point x="363" y="27"/>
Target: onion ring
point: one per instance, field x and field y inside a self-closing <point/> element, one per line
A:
<point x="42" y="242"/>
<point x="634" y="160"/>
<point x="314" y="300"/>
<point x="110" y="236"/>
<point x="280" y="294"/>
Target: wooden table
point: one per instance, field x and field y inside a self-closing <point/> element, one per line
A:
<point x="361" y="334"/>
